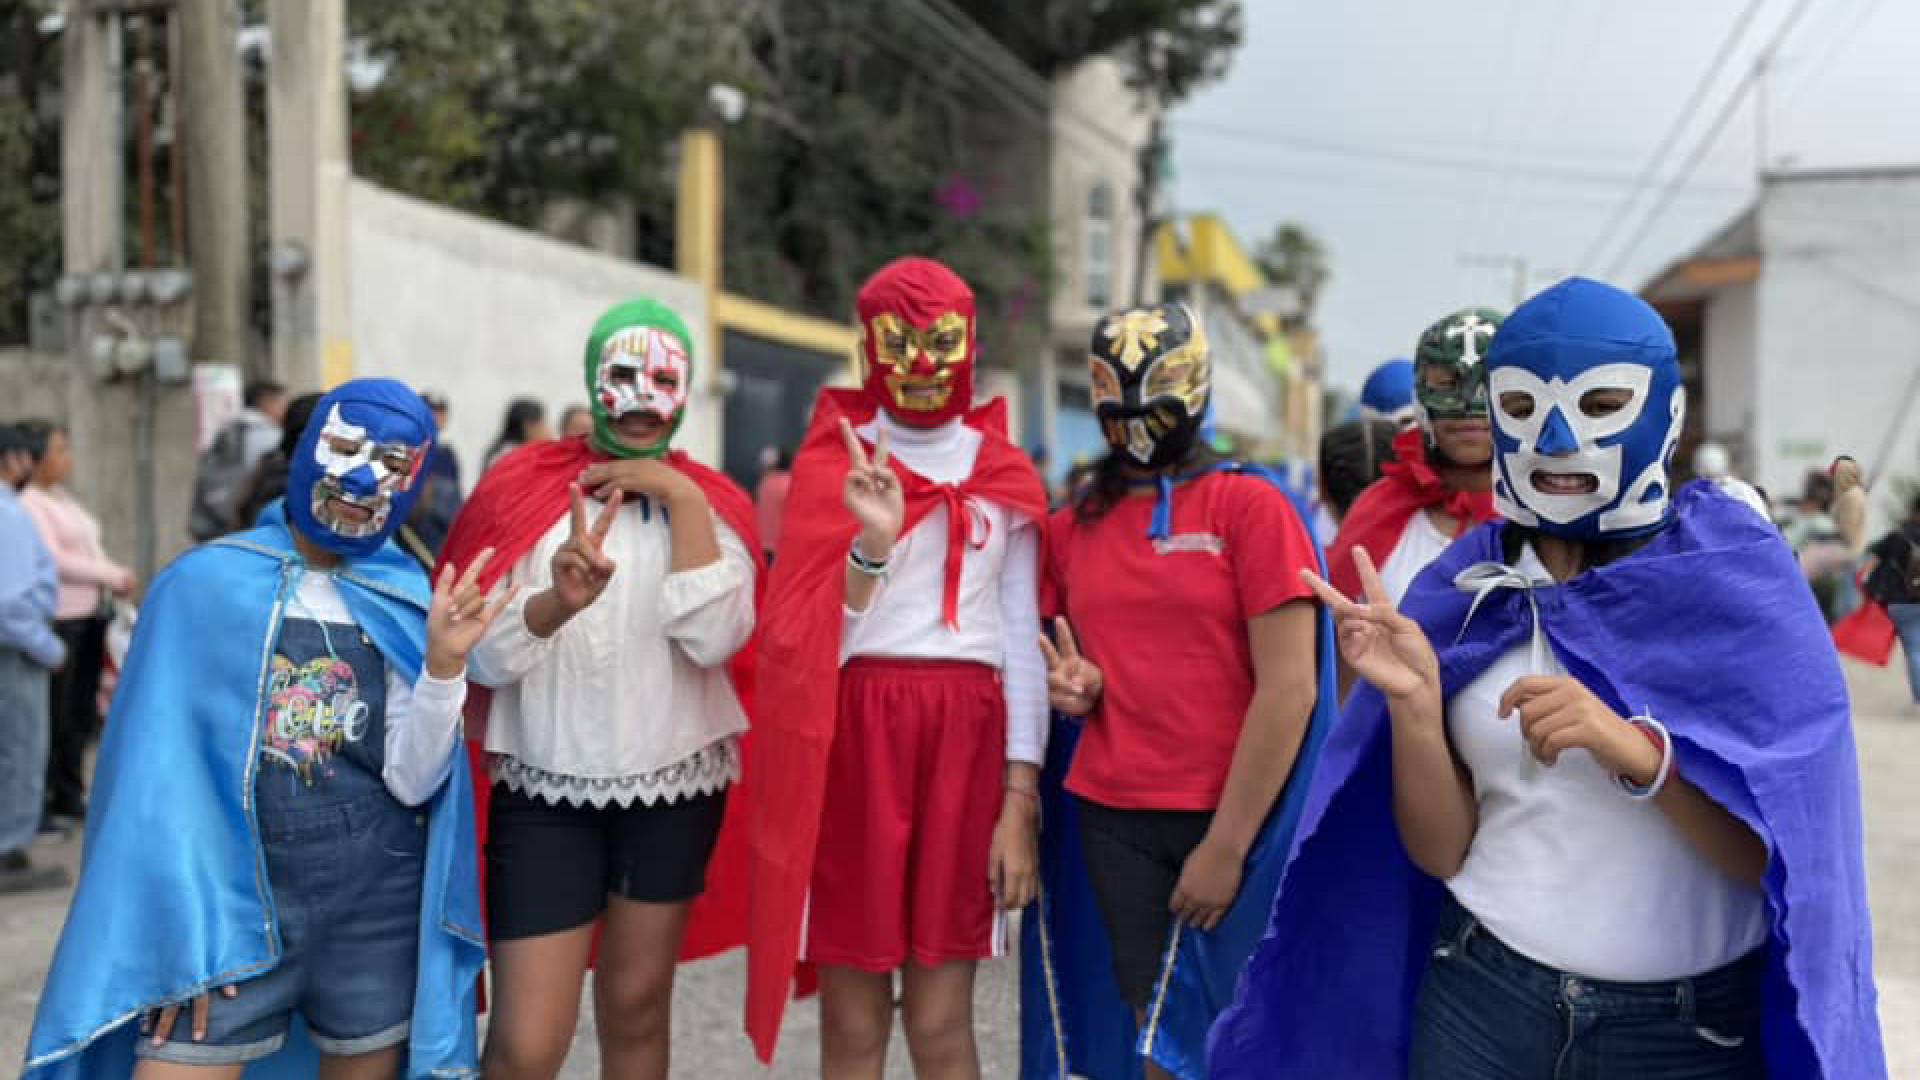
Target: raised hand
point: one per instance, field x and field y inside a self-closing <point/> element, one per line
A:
<point x="872" y="493"/>
<point x="1074" y="684"/>
<point x="1381" y="645"/>
<point x="580" y="568"/>
<point x="459" y="616"/>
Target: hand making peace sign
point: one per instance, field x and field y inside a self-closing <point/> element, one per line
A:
<point x="459" y="615"/>
<point x="1074" y="684"/>
<point x="872" y="493"/>
<point x="1381" y="645"/>
<point x="580" y="568"/>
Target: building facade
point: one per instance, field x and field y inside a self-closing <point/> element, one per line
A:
<point x="1797" y="325"/>
<point x="1101" y="129"/>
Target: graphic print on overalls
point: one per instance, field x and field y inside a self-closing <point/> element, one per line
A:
<point x="313" y="710"/>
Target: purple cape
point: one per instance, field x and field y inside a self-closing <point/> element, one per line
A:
<point x="1708" y="627"/>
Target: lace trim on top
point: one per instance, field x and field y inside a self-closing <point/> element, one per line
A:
<point x="709" y="770"/>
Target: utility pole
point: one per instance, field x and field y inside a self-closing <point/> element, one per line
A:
<point x="1147" y="204"/>
<point x="310" y="174"/>
<point x="91" y="170"/>
<point x="216" y="180"/>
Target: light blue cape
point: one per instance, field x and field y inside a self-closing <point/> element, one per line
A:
<point x="173" y="897"/>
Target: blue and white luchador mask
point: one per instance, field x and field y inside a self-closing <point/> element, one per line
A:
<point x="1587" y="408"/>
<point x="356" y="471"/>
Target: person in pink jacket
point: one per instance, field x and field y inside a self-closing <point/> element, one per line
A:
<point x="87" y="579"/>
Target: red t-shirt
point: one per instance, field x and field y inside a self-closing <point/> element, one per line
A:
<point x="1166" y="622"/>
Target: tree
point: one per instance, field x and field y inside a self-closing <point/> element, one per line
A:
<point x="1295" y="258"/>
<point x="876" y="139"/>
<point x="29" y="161"/>
<point x="502" y="106"/>
<point x="1171" y="46"/>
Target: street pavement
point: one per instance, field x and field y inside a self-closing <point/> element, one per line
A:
<point x="707" y="1043"/>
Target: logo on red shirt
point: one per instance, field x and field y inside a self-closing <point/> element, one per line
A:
<point x="1190" y="544"/>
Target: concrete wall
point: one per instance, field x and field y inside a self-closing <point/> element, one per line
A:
<point x="1098" y="129"/>
<point x="486" y="313"/>
<point x="1246" y="398"/>
<point x="1729" y="344"/>
<point x="1839" y="326"/>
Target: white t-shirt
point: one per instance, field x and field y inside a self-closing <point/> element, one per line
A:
<point x="1420" y="543"/>
<point x="999" y="605"/>
<point x="423" y="720"/>
<point x="1570" y="872"/>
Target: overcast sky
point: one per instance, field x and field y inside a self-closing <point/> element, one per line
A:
<point x="1412" y="134"/>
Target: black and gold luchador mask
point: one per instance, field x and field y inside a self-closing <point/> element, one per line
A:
<point x="1150" y="378"/>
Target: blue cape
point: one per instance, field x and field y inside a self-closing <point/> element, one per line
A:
<point x="1711" y="629"/>
<point x="173" y="897"/>
<point x="1072" y="1018"/>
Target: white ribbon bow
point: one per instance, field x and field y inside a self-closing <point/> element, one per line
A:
<point x="1482" y="580"/>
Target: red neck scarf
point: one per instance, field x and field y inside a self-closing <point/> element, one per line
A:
<point x="1407" y="485"/>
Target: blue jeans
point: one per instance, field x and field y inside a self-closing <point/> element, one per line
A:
<point x="24" y="729"/>
<point x="346" y="876"/>
<point x="1906" y="620"/>
<point x="1487" y="1013"/>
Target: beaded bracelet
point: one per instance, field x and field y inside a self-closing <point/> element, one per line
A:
<point x="1658" y="731"/>
<point x="859" y="561"/>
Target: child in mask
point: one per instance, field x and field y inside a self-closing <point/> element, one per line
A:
<point x="284" y="829"/>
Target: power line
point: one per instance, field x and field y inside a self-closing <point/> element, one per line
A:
<point x="1535" y="102"/>
<point x="1415" y="159"/>
<point x="1706" y="142"/>
<point x="1835" y="45"/>
<point x="1672" y="137"/>
<point x="1239" y="168"/>
<point x="1026" y="94"/>
<point x="1468" y="222"/>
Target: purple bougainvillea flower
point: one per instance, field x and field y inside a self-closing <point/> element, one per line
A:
<point x="959" y="198"/>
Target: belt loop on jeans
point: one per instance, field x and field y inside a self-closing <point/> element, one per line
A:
<point x="1684" y="1000"/>
<point x="1467" y="929"/>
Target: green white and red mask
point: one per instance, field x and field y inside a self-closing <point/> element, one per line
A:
<point x="639" y="360"/>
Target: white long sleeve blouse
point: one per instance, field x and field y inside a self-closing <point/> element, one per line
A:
<point x="631" y="698"/>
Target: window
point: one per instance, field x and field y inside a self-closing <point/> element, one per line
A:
<point x="1098" y="261"/>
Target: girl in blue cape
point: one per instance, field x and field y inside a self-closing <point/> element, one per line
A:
<point x="1597" y="812"/>
<point x="280" y="859"/>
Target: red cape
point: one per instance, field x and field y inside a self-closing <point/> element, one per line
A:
<point x="515" y="504"/>
<point x="1867" y="635"/>
<point x="800" y="673"/>
<point x="1378" y="517"/>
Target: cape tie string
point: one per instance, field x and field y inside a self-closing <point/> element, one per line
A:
<point x="1483" y="580"/>
<point x="1161" y="526"/>
<point x="962" y="511"/>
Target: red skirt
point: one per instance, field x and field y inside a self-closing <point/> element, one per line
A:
<point x="914" y="788"/>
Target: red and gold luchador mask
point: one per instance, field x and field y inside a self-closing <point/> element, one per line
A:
<point x="917" y="341"/>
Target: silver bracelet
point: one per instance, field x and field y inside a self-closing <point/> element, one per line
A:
<point x="1635" y="791"/>
<point x="859" y="561"/>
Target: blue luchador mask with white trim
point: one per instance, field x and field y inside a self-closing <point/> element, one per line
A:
<point x="1588" y="405"/>
<point x="357" y="469"/>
